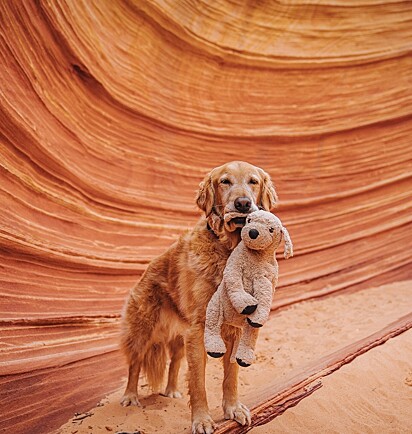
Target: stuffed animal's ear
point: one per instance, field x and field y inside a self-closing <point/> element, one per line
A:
<point x="205" y="197"/>
<point x="288" y="252"/>
<point x="268" y="197"/>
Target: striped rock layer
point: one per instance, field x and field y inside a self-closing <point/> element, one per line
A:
<point x="112" y="112"/>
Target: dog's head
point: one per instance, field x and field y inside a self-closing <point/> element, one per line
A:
<point x="232" y="191"/>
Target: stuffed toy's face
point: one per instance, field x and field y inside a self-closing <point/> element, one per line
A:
<point x="261" y="230"/>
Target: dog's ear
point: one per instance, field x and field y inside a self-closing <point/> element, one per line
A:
<point x="205" y="197"/>
<point x="268" y="196"/>
<point x="288" y="252"/>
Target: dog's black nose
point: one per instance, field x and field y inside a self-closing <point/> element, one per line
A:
<point x="243" y="204"/>
<point x="253" y="233"/>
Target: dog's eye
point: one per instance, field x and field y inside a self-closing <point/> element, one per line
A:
<point x="225" y="181"/>
<point x="253" y="181"/>
<point x="248" y="220"/>
<point x="271" y="230"/>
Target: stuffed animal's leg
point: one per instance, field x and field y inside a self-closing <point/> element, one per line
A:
<point x="263" y="291"/>
<point x="245" y="355"/>
<point x="214" y="343"/>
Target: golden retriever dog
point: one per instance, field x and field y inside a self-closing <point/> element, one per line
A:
<point x="165" y="312"/>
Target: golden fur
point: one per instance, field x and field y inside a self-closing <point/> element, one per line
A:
<point x="165" y="312"/>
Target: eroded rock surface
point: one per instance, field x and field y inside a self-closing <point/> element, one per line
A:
<point x="110" y="115"/>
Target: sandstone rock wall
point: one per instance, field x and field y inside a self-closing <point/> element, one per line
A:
<point x="112" y="112"/>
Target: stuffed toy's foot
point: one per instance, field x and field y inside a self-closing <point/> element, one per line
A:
<point x="215" y="355"/>
<point x="240" y="362"/>
<point x="214" y="345"/>
<point x="254" y="324"/>
<point x="245" y="355"/>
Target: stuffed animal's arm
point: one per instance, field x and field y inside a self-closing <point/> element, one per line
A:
<point x="263" y="290"/>
<point x="241" y="301"/>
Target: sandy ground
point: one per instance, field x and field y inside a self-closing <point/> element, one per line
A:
<point x="372" y="394"/>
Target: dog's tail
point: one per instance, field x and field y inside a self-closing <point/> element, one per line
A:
<point x="154" y="365"/>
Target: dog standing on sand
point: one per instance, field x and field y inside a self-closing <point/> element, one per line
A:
<point x="165" y="311"/>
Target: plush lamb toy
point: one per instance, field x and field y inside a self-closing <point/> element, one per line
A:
<point x="244" y="297"/>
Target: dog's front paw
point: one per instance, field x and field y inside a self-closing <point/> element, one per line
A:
<point x="238" y="412"/>
<point x="203" y="425"/>
<point x="130" y="399"/>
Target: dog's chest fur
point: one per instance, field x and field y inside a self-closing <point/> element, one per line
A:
<point x="208" y="256"/>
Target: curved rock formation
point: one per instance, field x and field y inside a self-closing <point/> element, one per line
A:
<point x="112" y="112"/>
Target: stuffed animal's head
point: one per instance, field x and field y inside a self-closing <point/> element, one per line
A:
<point x="262" y="230"/>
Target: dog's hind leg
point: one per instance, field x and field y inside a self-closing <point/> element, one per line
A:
<point x="177" y="352"/>
<point x="130" y="394"/>
<point x="139" y="321"/>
